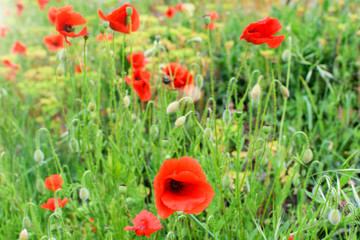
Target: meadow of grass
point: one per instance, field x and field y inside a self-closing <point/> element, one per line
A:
<point x="275" y="130"/>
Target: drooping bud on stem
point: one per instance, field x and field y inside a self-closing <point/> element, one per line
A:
<point x="334" y="216"/>
<point x="26" y="222"/>
<point x="40" y="186"/>
<point x="284" y="91"/>
<point x="308" y="156"/>
<point x="123" y="189"/>
<point x="172" y="107"/>
<point x="92" y="106"/>
<point x="256" y="92"/>
<point x="63" y="56"/>
<point x="154" y="131"/>
<point x="180" y="121"/>
<point x="226" y="116"/>
<point x="74" y="144"/>
<point x="38" y="156"/>
<point x="126" y="101"/>
<point x="84" y="194"/>
<point x="24" y="235"/>
<point x="60" y="70"/>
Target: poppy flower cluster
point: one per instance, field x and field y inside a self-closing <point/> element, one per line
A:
<point x="145" y="223"/>
<point x="51" y="205"/>
<point x="54" y="183"/>
<point x="213" y="16"/>
<point x="181" y="78"/>
<point x="118" y="19"/>
<point x="13" y="69"/>
<point x="181" y="185"/>
<point x="66" y="21"/>
<point x="53" y="12"/>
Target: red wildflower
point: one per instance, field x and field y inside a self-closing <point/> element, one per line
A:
<point x="4" y="30"/>
<point x="179" y="75"/>
<point x="170" y="12"/>
<point x="117" y="19"/>
<point x="101" y="37"/>
<point x="53" y="12"/>
<point x="9" y="64"/>
<point x="92" y="226"/>
<point x="138" y="60"/>
<point x="19" y="8"/>
<point x="181" y="185"/>
<point x="213" y="15"/>
<point x="54" y="42"/>
<point x="50" y="204"/>
<point x="42" y="4"/>
<point x="141" y="84"/>
<point x="145" y="223"/>
<point x="53" y="182"/>
<point x="211" y="26"/>
<point x="291" y="237"/>
<point x="261" y="32"/>
<point x="65" y="23"/>
<point x="180" y="7"/>
<point x="18" y="48"/>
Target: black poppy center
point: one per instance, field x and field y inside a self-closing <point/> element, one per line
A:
<point x="175" y="186"/>
<point x="137" y="78"/>
<point x="251" y="31"/>
<point x="56" y="44"/>
<point x="69" y="29"/>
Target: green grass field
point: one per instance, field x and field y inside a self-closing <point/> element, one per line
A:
<point x="270" y="124"/>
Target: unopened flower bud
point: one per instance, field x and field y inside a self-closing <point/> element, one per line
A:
<point x="74" y="144"/>
<point x="123" y="190"/>
<point x="334" y="216"/>
<point x="130" y="201"/>
<point x="208" y="133"/>
<point x="199" y="80"/>
<point x="266" y="129"/>
<point x="38" y="156"/>
<point x="129" y="11"/>
<point x="196" y="39"/>
<point x="40" y="186"/>
<point x="126" y="101"/>
<point x="284" y="91"/>
<point x="256" y="92"/>
<point x="84" y="194"/>
<point x="226" y="116"/>
<point x="60" y="70"/>
<point x="24" y="235"/>
<point x="172" y="107"/>
<point x="308" y="156"/>
<point x="207" y="20"/>
<point x="267" y="222"/>
<point x="286" y="55"/>
<point x="149" y="52"/>
<point x="157" y="38"/>
<point x="63" y="56"/>
<point x="92" y="106"/>
<point x="154" y="131"/>
<point x="226" y="182"/>
<point x="26" y="222"/>
<point x="180" y="121"/>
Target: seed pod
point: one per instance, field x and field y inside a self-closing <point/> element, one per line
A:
<point x="308" y="156"/>
<point x="123" y="190"/>
<point x="180" y="121"/>
<point x="92" y="106"/>
<point x="40" y="186"/>
<point x="207" y="20"/>
<point x="226" y="116"/>
<point x="126" y="101"/>
<point x="38" y="156"/>
<point x="84" y="194"/>
<point x="154" y="131"/>
<point x="334" y="216"/>
<point x="60" y="70"/>
<point x="26" y="222"/>
<point x="286" y="55"/>
<point x="256" y="92"/>
<point x="199" y="80"/>
<point x="266" y="129"/>
<point x="129" y="11"/>
<point x="74" y="144"/>
<point x="172" y="107"/>
<point x="284" y="91"/>
<point x="24" y="235"/>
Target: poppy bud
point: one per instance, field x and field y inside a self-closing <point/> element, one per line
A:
<point x="38" y="156"/>
<point x="129" y="201"/>
<point x="165" y="142"/>
<point x="256" y="92"/>
<point x="208" y="133"/>
<point x="105" y="24"/>
<point x="226" y="182"/>
<point x="24" y="235"/>
<point x="196" y="39"/>
<point x="226" y="116"/>
<point x="284" y="91"/>
<point x="74" y="144"/>
<point x="84" y="194"/>
<point x="207" y="20"/>
<point x="267" y="222"/>
<point x="158" y="38"/>
<point x="266" y="129"/>
<point x="199" y="80"/>
<point x="149" y="52"/>
<point x="63" y="56"/>
<point x="172" y="107"/>
<point x="123" y="190"/>
<point x="126" y="101"/>
<point x="129" y="11"/>
<point x="40" y="186"/>
<point x="92" y="106"/>
<point x="154" y="131"/>
<point x="334" y="216"/>
<point x="60" y="70"/>
<point x="308" y="156"/>
<point x="26" y="222"/>
<point x="286" y="55"/>
<point x="180" y="121"/>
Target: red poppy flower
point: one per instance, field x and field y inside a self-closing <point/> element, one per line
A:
<point x="117" y="19"/>
<point x="291" y="237"/>
<point x="79" y="68"/>
<point x="53" y="182"/>
<point x="92" y="226"/>
<point x="50" y="204"/>
<point x="170" y="12"/>
<point x="54" y="42"/>
<point x="141" y="84"/>
<point x="179" y="75"/>
<point x="211" y="26"/>
<point x="9" y="64"/>
<point x="18" y="48"/>
<point x="42" y="4"/>
<point x="213" y="15"/>
<point x="101" y="37"/>
<point x="65" y="23"/>
<point x="4" y="30"/>
<point x="181" y="185"/>
<point x="19" y="8"/>
<point x="138" y="60"/>
<point x="180" y="7"/>
<point x="53" y="12"/>
<point x="262" y="32"/>
<point x="145" y="223"/>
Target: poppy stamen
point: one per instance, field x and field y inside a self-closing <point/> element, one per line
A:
<point x="175" y="186"/>
<point x="69" y="29"/>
